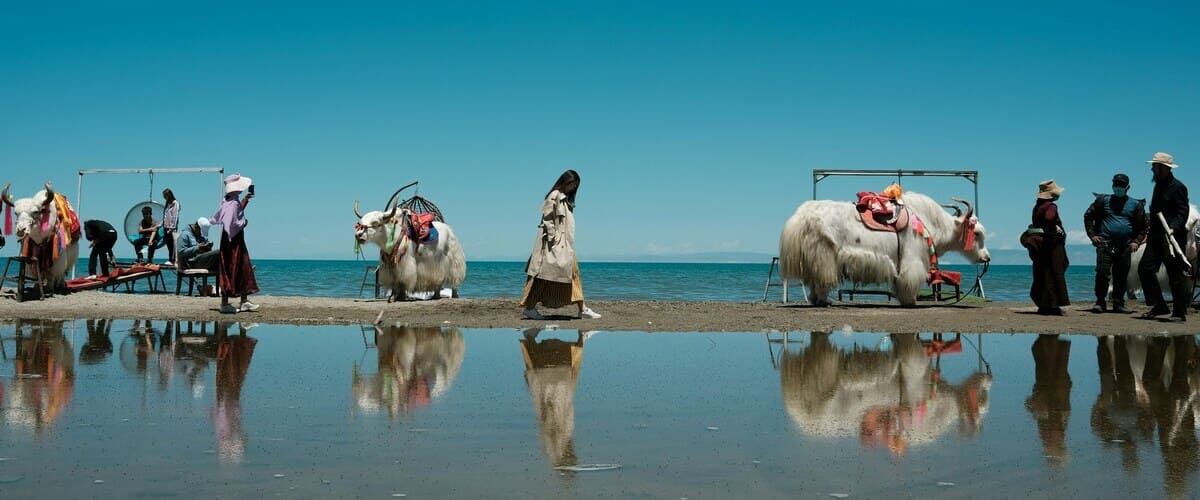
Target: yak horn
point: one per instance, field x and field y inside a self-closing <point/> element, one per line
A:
<point x="970" y="209"/>
<point x="388" y="205"/>
<point x="390" y="213"/>
<point x="5" y="197"/>
<point x="356" y="212"/>
<point x="957" y="209"/>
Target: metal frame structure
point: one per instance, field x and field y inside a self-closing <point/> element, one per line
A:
<point x="220" y="171"/>
<point x="970" y="175"/>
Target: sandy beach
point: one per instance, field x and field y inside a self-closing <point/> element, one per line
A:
<point x="977" y="317"/>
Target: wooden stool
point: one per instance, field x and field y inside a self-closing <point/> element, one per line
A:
<point x="24" y="263"/>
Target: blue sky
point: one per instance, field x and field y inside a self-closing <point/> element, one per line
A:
<point x="695" y="126"/>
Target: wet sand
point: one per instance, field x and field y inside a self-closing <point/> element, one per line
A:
<point x="966" y="317"/>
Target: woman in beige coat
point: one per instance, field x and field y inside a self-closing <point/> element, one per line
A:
<point x="552" y="274"/>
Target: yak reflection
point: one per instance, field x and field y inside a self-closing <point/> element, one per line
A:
<point x="552" y="373"/>
<point x="1049" y="402"/>
<point x="415" y="366"/>
<point x="887" y="397"/>
<point x="1149" y="385"/>
<point x="44" y="376"/>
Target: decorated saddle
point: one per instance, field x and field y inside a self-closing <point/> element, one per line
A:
<point x="882" y="212"/>
<point x="420" y="227"/>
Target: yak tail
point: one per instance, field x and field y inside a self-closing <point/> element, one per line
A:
<point x="456" y="263"/>
<point x="806" y="252"/>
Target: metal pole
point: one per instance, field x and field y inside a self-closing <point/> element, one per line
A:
<point x="78" y="211"/>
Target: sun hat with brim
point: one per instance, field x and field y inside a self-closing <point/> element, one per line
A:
<point x="1048" y="189"/>
<point x="236" y="183"/>
<point x="1164" y="159"/>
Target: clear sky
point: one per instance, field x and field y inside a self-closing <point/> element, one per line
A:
<point x="694" y="125"/>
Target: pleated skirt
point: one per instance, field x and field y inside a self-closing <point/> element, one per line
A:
<point x="235" y="273"/>
<point x="552" y="294"/>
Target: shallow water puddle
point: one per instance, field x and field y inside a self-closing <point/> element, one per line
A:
<point x="247" y="410"/>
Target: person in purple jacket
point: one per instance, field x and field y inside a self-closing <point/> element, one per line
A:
<point x="235" y="273"/>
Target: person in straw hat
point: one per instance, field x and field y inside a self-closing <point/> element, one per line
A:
<point x="235" y="273"/>
<point x="1048" y="252"/>
<point x="1170" y="199"/>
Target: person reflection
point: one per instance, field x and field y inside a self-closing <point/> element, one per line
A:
<point x="99" y="344"/>
<point x="889" y="398"/>
<point x="1050" y="400"/>
<point x="233" y="361"/>
<point x="1149" y="385"/>
<point x="415" y="366"/>
<point x="552" y="373"/>
<point x="44" y="375"/>
<point x="194" y="350"/>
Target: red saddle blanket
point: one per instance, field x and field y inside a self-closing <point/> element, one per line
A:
<point x="419" y="226"/>
<point x="880" y="213"/>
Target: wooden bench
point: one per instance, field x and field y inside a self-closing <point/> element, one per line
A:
<point x="190" y="274"/>
<point x="25" y="264"/>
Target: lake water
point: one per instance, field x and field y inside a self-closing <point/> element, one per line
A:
<point x="130" y="409"/>
<point x="619" y="280"/>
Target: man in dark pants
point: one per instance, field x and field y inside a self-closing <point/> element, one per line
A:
<point x="1171" y="200"/>
<point x="1116" y="224"/>
<point x="103" y="237"/>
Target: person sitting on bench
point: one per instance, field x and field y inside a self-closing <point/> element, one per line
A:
<point x="194" y="249"/>
<point x="147" y="234"/>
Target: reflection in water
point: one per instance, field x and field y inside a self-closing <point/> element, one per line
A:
<point x="415" y="366"/>
<point x="99" y="345"/>
<point x="233" y="361"/>
<point x="552" y="373"/>
<point x="893" y="398"/>
<point x="1149" y="384"/>
<point x="1050" y="400"/>
<point x="44" y="376"/>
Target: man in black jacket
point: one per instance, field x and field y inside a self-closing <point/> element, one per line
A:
<point x="103" y="236"/>
<point x="1171" y="200"/>
<point x="1116" y="224"/>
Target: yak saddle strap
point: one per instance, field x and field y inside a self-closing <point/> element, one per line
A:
<point x="881" y="213"/>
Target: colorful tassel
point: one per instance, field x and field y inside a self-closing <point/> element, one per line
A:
<point x="8" y="224"/>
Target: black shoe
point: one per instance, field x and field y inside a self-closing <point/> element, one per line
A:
<point x="1175" y="319"/>
<point x="1121" y="309"/>
<point x="1050" y="311"/>
<point x="1154" y="313"/>
<point x="1098" y="308"/>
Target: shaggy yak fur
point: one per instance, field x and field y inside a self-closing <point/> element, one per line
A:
<point x="824" y="242"/>
<point x="1191" y="249"/>
<point x="29" y="212"/>
<point x="426" y="267"/>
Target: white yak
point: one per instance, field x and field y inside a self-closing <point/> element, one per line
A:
<point x="38" y="223"/>
<point x="825" y="242"/>
<point x="1190" y="249"/>
<point x="407" y="266"/>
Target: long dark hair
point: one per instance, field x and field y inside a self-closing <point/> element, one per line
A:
<point x="168" y="195"/>
<point x="568" y="177"/>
